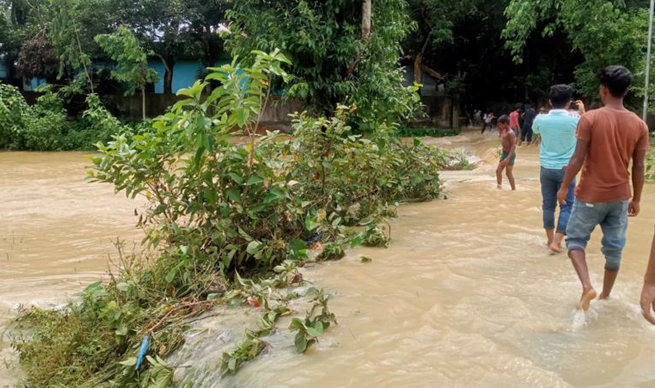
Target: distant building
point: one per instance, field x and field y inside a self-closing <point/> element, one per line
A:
<point x="185" y="73"/>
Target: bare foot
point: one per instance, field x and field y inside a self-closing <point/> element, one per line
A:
<point x="585" y="300"/>
<point x="555" y="248"/>
<point x="499" y="187"/>
<point x="603" y="296"/>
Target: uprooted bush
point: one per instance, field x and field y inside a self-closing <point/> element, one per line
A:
<point x="218" y="208"/>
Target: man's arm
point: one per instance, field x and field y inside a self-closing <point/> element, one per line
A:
<point x="638" y="172"/>
<point x="581" y="107"/>
<point x="575" y="165"/>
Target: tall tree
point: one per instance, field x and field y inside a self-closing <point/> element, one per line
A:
<point x="332" y="63"/>
<point x="131" y="62"/>
<point x="604" y="32"/>
<point x="160" y="26"/>
<point x="204" y="19"/>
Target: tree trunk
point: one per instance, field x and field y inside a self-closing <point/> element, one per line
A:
<point x="366" y="19"/>
<point x="455" y="118"/>
<point x="169" y="64"/>
<point x="168" y="80"/>
<point x="143" y="102"/>
<point x="418" y="60"/>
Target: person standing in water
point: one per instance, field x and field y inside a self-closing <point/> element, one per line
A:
<point x="608" y="138"/>
<point x="528" y="120"/>
<point x="508" y="142"/>
<point x="514" y="121"/>
<point x="557" y="131"/>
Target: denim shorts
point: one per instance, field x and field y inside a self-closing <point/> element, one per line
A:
<point x="613" y="220"/>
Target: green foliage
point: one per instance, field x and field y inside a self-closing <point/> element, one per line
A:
<point x="252" y="345"/>
<point x="45" y="126"/>
<point x="317" y="320"/>
<point x="94" y="342"/>
<point x="375" y="236"/>
<point x="13" y="116"/>
<point x="131" y="60"/>
<point x="331" y="61"/>
<point x="219" y="209"/>
<point x="332" y="251"/>
<point x="244" y="351"/>
<point x="604" y="32"/>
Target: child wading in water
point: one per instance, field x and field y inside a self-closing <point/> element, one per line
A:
<point x="508" y="141"/>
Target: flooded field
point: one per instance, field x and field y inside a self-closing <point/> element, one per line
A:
<point x="467" y="295"/>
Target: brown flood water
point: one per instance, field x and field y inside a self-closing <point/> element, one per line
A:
<point x="56" y="231"/>
<point x="466" y="296"/>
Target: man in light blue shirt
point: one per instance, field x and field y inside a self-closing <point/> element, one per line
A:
<point x="558" y="141"/>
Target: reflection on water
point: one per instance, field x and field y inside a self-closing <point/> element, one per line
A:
<point x="466" y="296"/>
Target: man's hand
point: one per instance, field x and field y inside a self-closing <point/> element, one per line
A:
<point x="633" y="209"/>
<point x="561" y="195"/>
<point x="648" y="301"/>
<point x="581" y="108"/>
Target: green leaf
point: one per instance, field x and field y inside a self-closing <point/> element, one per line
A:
<point x="236" y="178"/>
<point x="255" y="179"/>
<point x="129" y="362"/>
<point x="232" y="364"/>
<point x="309" y="224"/>
<point x="254" y="247"/>
<point x="297" y="245"/>
<point x="233" y="194"/>
<point x="301" y="343"/>
<point x="122" y="330"/>
<point x="315" y="330"/>
<point x="171" y="275"/>
<point x="296" y="324"/>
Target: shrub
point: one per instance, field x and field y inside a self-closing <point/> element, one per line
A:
<point x="216" y="209"/>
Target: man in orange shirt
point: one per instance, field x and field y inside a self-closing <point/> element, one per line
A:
<point x="608" y="138"/>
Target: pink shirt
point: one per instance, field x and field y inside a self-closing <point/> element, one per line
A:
<point x="514" y="120"/>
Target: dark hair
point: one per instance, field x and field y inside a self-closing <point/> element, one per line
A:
<point x="504" y="119"/>
<point x="616" y="79"/>
<point x="560" y="95"/>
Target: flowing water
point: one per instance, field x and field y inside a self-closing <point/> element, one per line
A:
<point x="56" y="232"/>
<point x="466" y="295"/>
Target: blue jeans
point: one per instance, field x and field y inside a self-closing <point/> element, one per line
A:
<point x="551" y="181"/>
<point x="613" y="220"/>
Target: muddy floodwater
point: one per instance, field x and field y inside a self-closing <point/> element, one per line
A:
<point x="467" y="295"/>
<point x="57" y="231"/>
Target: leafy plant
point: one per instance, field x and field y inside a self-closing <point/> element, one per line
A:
<point x="317" y="320"/>
<point x="245" y="351"/>
<point x="333" y="251"/>
<point x="332" y="61"/>
<point x="131" y="61"/>
<point x="374" y="236"/>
